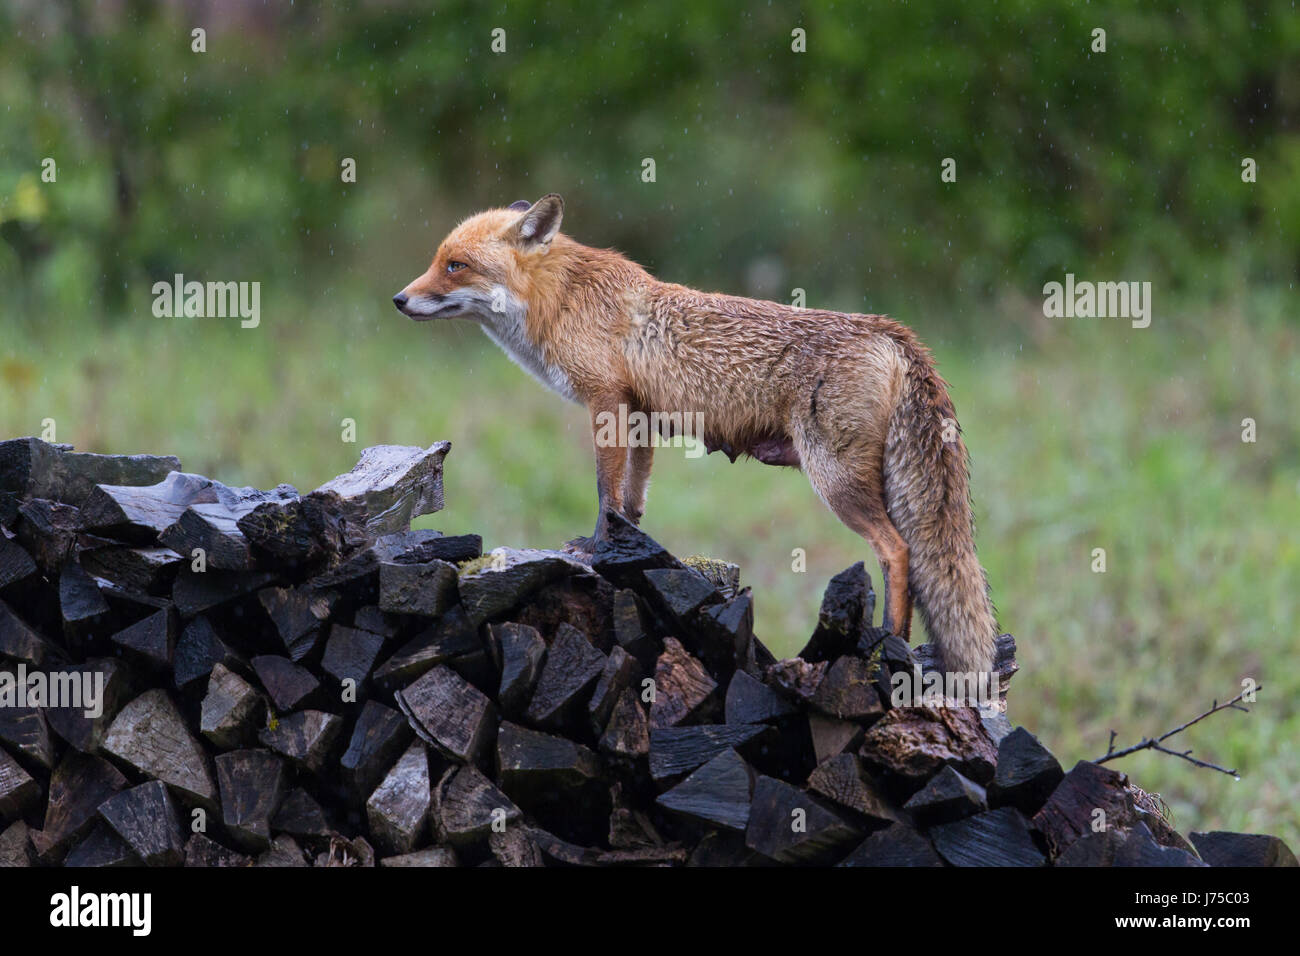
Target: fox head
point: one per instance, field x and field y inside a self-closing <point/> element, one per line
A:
<point x="481" y="268"/>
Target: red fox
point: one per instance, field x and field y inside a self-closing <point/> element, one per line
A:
<point x="853" y="400"/>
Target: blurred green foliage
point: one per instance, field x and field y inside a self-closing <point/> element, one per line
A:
<point x="823" y="165"/>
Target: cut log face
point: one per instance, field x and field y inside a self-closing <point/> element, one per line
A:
<point x="390" y="486"/>
<point x="430" y="856"/>
<point x="631" y="631"/>
<point x="284" y="852"/>
<point x="684" y="691"/>
<point x="678" y="750"/>
<point x="19" y="790"/>
<point x="151" y="641"/>
<point x="297" y="533"/>
<point x="916" y="742"/>
<point x="398" y="809"/>
<point x="726" y="634"/>
<point x="212" y="529"/>
<point x="797" y="678"/>
<point x="358" y="574"/>
<point x="750" y="701"/>
<point x="721" y="848"/>
<point x="16" y="846"/>
<point x="468" y="807"/>
<point x="80" y="783"/>
<point x="848" y="691"/>
<point x="998" y="726"/>
<point x="896" y="845"/>
<point x="350" y="654"/>
<point x="450" y="713"/>
<point x="718" y="793"/>
<point x="568" y="676"/>
<point x="198" y="651"/>
<point x="1069" y="812"/>
<point x="288" y="685"/>
<point x="846" y="611"/>
<point x="371" y="618"/>
<point x="449" y="639"/>
<point x="150" y="736"/>
<point x="1026" y="774"/>
<point x="16" y="565"/>
<point x="629" y="827"/>
<point x="305" y="737"/>
<point x="231" y="710"/>
<point x="252" y="785"/>
<point x="145" y="818"/>
<point x="621" y="671"/>
<point x="844" y="780"/>
<point x="1140" y="848"/>
<point x="515" y="848"/>
<point x="427" y="589"/>
<point x="628" y="731"/>
<point x="831" y="736"/>
<point x="302" y="817"/>
<point x="299" y="615"/>
<point x="790" y="825"/>
<point x="196" y="592"/>
<point x="996" y="838"/>
<point x="947" y="797"/>
<point x="498" y="581"/>
<point x="82" y="605"/>
<point x="21" y="643"/>
<point x="583" y="601"/>
<point x="141" y="513"/>
<point x="102" y="849"/>
<point x="521" y="651"/>
<point x="23" y="728"/>
<point x="202" y="851"/>
<point x="534" y="762"/>
<point x="48" y="531"/>
<point x="380" y="735"/>
<point x="33" y="468"/>
<point x="145" y="570"/>
<point x="1223" y="848"/>
<point x="680" y="593"/>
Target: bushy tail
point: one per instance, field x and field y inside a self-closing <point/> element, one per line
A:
<point x="927" y="493"/>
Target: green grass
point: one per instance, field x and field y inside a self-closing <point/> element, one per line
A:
<point x="1085" y="434"/>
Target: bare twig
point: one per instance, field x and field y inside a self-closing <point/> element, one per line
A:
<point x="1149" y="743"/>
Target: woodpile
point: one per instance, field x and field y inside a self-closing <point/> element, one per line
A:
<point x="288" y="679"/>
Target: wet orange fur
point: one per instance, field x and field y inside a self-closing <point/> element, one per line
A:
<point x="857" y="396"/>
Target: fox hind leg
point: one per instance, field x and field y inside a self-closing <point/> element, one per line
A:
<point x="870" y="520"/>
<point x="852" y="486"/>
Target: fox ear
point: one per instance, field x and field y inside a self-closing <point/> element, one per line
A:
<point x="541" y="222"/>
<point x="520" y="205"/>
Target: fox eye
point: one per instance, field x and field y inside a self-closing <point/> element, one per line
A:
<point x="454" y="266"/>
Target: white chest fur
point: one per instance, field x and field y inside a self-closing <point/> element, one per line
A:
<point x="506" y="329"/>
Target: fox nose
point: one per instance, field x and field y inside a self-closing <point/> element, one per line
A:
<point x="399" y="300"/>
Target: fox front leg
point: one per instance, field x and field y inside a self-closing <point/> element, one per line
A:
<point x="640" y="459"/>
<point x="611" y="460"/>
